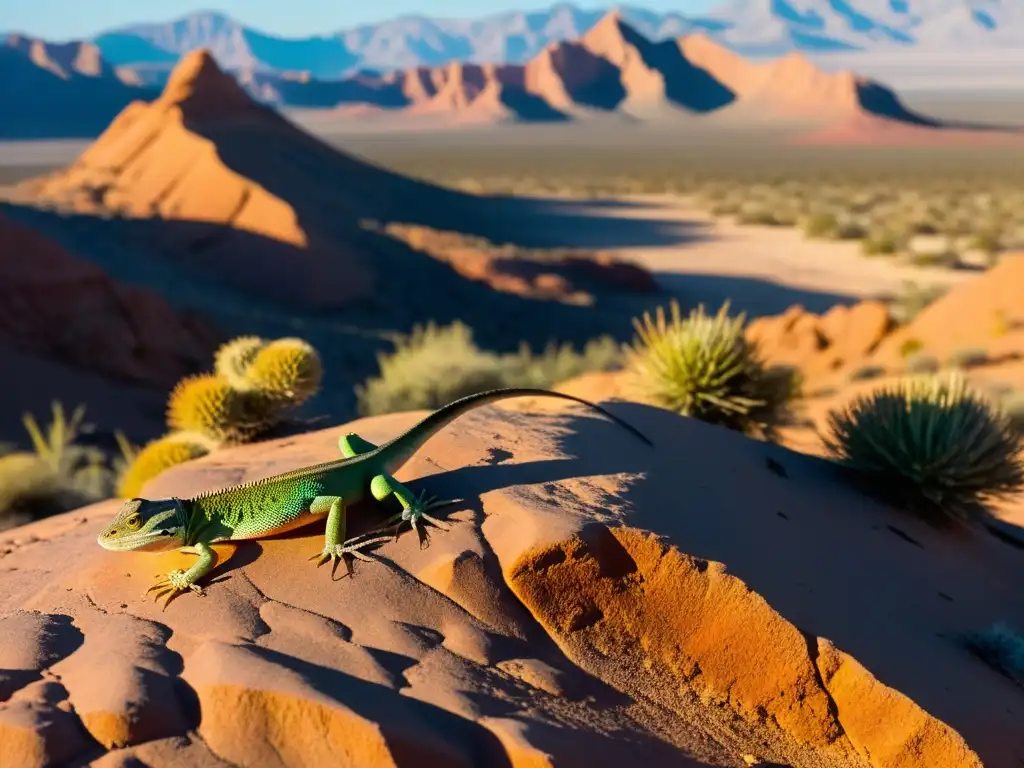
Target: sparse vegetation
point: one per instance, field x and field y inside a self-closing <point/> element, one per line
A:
<point x="1001" y="648"/>
<point x="932" y="444"/>
<point x="970" y="357"/>
<point x="57" y="475"/>
<point x="704" y="367"/>
<point x="910" y="347"/>
<point x="867" y="372"/>
<point x="437" y="364"/>
<point x="970" y="199"/>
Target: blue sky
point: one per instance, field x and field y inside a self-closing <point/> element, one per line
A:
<point x="63" y="19"/>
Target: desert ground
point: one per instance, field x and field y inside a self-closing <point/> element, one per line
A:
<point x="722" y="594"/>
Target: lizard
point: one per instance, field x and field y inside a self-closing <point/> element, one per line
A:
<point x="282" y="502"/>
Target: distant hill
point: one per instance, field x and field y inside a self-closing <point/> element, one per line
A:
<point x="60" y="90"/>
<point x="748" y="27"/>
<point x="612" y="70"/>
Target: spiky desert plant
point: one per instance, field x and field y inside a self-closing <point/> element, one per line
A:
<point x="288" y="371"/>
<point x="209" y="405"/>
<point x="232" y="359"/>
<point x="930" y="443"/>
<point x="158" y="455"/>
<point x="704" y="366"/>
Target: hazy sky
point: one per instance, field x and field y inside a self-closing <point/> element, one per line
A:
<point x="62" y="19"/>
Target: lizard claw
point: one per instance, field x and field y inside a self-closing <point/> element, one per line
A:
<point x="172" y="585"/>
<point x="347" y="551"/>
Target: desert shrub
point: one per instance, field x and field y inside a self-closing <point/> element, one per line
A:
<point x="56" y="476"/>
<point x="969" y="357"/>
<point x="704" y="367"/>
<point x="932" y="443"/>
<point x="758" y="216"/>
<point x="435" y="365"/>
<point x="919" y="362"/>
<point x="821" y="226"/>
<point x="850" y="230"/>
<point x="880" y="244"/>
<point x="867" y="372"/>
<point x="999" y="647"/>
<point x="949" y="259"/>
<point x="558" y="363"/>
<point x="910" y="347"/>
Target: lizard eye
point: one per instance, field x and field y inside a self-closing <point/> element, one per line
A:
<point x="133" y="522"/>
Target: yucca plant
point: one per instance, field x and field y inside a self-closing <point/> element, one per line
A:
<point x="930" y="443"/>
<point x="704" y="367"/>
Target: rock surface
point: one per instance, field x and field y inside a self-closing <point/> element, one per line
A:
<point x="596" y="602"/>
<point x="60" y="306"/>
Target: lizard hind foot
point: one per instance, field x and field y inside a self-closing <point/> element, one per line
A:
<point x="347" y="551"/>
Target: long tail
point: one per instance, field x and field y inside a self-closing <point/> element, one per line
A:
<point x="401" y="448"/>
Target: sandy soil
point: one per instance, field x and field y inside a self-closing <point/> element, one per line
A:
<point x="763" y="270"/>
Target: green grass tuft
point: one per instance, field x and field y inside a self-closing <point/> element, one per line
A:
<point x="930" y="443"/>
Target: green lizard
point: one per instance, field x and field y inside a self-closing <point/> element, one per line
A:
<point x="292" y="499"/>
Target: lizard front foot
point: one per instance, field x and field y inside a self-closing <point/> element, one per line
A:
<point x="175" y="583"/>
<point x="349" y="549"/>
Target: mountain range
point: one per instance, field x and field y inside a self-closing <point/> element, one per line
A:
<point x="612" y="70"/>
<point x="749" y="27"/>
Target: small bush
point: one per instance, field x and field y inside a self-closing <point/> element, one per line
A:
<point x="967" y="358"/>
<point x="932" y="443"/>
<point x="880" y="244"/>
<point x="436" y="365"/>
<point x="922" y="363"/>
<point x="910" y="347"/>
<point x="706" y="368"/>
<point x="867" y="372"/>
<point x="821" y="226"/>
<point x="1001" y="648"/>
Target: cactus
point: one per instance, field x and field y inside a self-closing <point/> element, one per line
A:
<point x="232" y="359"/>
<point x="164" y="453"/>
<point x="286" y="370"/>
<point x="207" y="404"/>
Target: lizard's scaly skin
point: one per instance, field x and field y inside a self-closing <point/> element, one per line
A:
<point x="292" y="499"/>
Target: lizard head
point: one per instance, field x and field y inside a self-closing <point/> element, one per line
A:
<point x="140" y="524"/>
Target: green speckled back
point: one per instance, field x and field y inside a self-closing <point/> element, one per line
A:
<point x="249" y="511"/>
